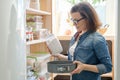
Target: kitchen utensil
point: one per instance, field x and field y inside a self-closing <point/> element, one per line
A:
<point x="60" y="66"/>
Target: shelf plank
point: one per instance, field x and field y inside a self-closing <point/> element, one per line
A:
<point x="104" y="75"/>
<point x="107" y="75"/>
<point x="53" y="75"/>
<point x="34" y="42"/>
<point x="37" y="12"/>
<point x="40" y="57"/>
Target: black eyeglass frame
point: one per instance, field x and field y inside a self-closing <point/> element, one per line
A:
<point x="76" y="21"/>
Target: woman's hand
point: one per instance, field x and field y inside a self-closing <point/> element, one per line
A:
<point x="80" y="67"/>
<point x="61" y="56"/>
<point x="56" y="56"/>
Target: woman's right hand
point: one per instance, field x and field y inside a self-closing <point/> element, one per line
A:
<point x="56" y="56"/>
<point x="61" y="56"/>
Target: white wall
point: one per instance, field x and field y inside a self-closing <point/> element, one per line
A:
<point x="110" y="17"/>
<point x="117" y="47"/>
<point x="12" y="40"/>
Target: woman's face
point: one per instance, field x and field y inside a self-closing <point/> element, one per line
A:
<point x="78" y="21"/>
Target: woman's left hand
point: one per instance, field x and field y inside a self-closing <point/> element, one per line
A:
<point x="80" y="67"/>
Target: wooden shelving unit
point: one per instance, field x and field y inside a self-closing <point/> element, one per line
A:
<point x="46" y="13"/>
<point x="39" y="46"/>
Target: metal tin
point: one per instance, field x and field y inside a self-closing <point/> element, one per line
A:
<point x="60" y="66"/>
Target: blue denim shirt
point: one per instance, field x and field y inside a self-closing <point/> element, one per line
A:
<point x="91" y="49"/>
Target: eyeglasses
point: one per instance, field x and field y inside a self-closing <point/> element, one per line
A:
<point x="76" y="21"/>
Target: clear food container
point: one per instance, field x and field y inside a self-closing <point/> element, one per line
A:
<point x="35" y="4"/>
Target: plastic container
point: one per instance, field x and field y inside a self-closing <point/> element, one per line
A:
<point x="44" y="33"/>
<point x="29" y="34"/>
<point x="27" y="4"/>
<point x="54" y="45"/>
<point x="38" y="18"/>
<point x="31" y="18"/>
<point x="36" y="35"/>
<point x="35" y="4"/>
<point x="36" y="26"/>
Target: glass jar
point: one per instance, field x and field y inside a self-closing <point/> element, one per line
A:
<point x="35" y="4"/>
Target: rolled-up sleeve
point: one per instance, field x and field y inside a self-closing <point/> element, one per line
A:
<point x="69" y="56"/>
<point x="102" y="53"/>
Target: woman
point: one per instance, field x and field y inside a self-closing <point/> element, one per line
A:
<point x="88" y="49"/>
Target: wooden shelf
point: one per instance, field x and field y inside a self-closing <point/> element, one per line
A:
<point x="37" y="12"/>
<point x="40" y="57"/>
<point x="53" y="75"/>
<point x="34" y="42"/>
<point x="107" y="75"/>
<point x="103" y="75"/>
